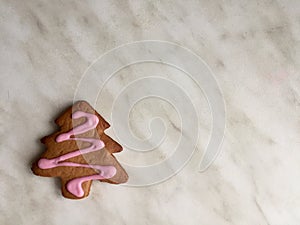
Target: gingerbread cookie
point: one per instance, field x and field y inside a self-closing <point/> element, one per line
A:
<point x="80" y="152"/>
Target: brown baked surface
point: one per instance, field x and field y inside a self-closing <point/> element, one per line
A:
<point x="102" y="157"/>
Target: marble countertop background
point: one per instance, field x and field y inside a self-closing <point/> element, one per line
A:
<point x="252" y="47"/>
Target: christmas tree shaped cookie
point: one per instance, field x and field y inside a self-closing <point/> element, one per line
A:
<point x="80" y="152"/>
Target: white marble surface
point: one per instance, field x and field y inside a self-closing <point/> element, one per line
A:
<point x="251" y="46"/>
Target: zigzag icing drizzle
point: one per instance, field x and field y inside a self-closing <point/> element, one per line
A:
<point x="74" y="186"/>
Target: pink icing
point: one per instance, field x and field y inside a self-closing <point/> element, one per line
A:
<point x="75" y="185"/>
